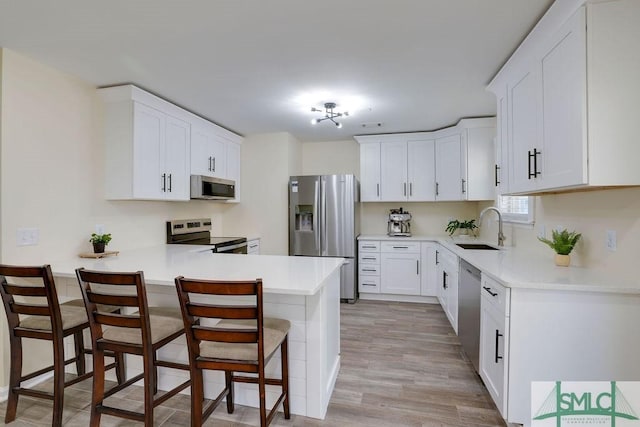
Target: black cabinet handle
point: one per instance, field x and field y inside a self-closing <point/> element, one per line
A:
<point x="417" y="266"/>
<point x="529" y="155"/>
<point x="368" y="284"/>
<point x="370" y="258"/>
<point x="405" y="188"/>
<point x="444" y="280"/>
<point x="464" y="190"/>
<point x="493" y="294"/>
<point x="437" y="189"/>
<point x="411" y="189"/>
<point x="401" y="247"/>
<point x="497" y="182"/>
<point x="437" y="253"/>
<point x="164" y="182"/>
<point x="378" y="190"/>
<point x="170" y="175"/>
<point x="498" y="335"/>
<point x="214" y="164"/>
<point x="535" y="162"/>
<point x="368" y="269"/>
<point x="210" y="163"/>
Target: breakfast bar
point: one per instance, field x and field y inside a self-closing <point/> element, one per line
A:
<point x="303" y="290"/>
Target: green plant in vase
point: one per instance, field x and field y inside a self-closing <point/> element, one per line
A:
<point x="562" y="242"/>
<point x="99" y="242"/>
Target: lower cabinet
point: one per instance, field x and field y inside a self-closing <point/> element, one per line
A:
<point x="400" y="268"/>
<point x="447" y="283"/>
<point x="253" y="247"/>
<point x="397" y="267"/>
<point x="494" y="340"/>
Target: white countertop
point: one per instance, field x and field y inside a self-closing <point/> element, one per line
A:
<point x="519" y="268"/>
<point x="161" y="264"/>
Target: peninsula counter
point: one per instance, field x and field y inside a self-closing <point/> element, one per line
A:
<point x="304" y="290"/>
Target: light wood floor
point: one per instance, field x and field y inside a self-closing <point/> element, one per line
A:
<point x="401" y="366"/>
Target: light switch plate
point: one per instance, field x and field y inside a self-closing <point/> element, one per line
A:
<point x="27" y="236"/>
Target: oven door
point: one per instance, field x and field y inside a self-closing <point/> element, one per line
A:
<point x="240" y="248"/>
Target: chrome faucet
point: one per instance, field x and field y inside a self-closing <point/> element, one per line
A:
<point x="501" y="237"/>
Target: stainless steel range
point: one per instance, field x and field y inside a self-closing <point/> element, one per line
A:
<point x="198" y="232"/>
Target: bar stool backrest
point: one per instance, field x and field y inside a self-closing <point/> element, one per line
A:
<point x="37" y="299"/>
<point x="124" y="290"/>
<point x="225" y="305"/>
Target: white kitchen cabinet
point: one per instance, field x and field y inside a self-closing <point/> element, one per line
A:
<point x="455" y="163"/>
<point x="253" y="247"/>
<point x="208" y="151"/>
<point x="494" y="341"/>
<point x="370" y="172"/>
<point x="428" y="280"/>
<point x="233" y="167"/>
<point x="447" y="275"/>
<point x="149" y="145"/>
<point x="400" y="268"/>
<point x="146" y="153"/>
<point x="369" y="266"/>
<point x="449" y="180"/>
<point x="393" y="171"/>
<point x="570" y="113"/>
<point x="501" y="167"/>
<point x="421" y="175"/>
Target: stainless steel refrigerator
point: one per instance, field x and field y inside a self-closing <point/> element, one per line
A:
<point x="324" y="222"/>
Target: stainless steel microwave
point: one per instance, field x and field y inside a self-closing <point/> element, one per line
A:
<point x="208" y="188"/>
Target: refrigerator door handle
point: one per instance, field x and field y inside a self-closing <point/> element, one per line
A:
<point x="316" y="218"/>
<point x="323" y="206"/>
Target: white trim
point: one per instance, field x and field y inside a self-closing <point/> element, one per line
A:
<point x="398" y="298"/>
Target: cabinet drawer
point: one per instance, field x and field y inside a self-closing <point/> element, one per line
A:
<point x="369" y="284"/>
<point x="400" y="247"/>
<point x="496" y="294"/>
<point x="370" y="258"/>
<point x="369" y="269"/>
<point x="369" y="246"/>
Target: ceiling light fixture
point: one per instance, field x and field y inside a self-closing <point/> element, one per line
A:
<point x="329" y="114"/>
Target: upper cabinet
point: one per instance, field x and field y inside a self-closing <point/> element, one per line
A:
<point x="152" y="147"/>
<point x="455" y="163"/>
<point x="565" y="101"/>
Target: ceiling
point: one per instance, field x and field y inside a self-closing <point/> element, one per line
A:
<point x="259" y="66"/>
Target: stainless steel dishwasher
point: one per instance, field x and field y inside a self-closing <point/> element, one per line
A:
<point x="469" y="311"/>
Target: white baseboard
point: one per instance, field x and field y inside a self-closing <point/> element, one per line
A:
<point x="398" y="298"/>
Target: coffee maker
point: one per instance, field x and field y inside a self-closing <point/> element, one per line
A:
<point x="398" y="224"/>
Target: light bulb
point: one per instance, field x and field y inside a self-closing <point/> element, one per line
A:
<point x="314" y="121"/>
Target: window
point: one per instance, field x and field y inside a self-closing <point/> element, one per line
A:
<point x="517" y="208"/>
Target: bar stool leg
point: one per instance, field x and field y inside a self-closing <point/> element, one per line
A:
<point x="263" y="405"/>
<point x="149" y="387"/>
<point x="155" y="373"/>
<point x="58" y="381"/>
<point x="121" y="368"/>
<point x="78" y="342"/>
<point x="14" y="378"/>
<point x="197" y="396"/>
<point x="228" y="376"/>
<point x="97" y="395"/>
<point x="284" y="358"/>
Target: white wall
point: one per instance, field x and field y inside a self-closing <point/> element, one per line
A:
<point x="51" y="175"/>
<point x="267" y="162"/>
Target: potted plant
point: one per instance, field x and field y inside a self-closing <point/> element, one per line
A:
<point x="562" y="242"/>
<point x="463" y="227"/>
<point x="99" y="241"/>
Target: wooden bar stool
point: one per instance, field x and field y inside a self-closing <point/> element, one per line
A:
<point x="141" y="333"/>
<point x="242" y="341"/>
<point x="49" y="320"/>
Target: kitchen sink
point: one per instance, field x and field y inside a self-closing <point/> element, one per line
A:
<point x="480" y="246"/>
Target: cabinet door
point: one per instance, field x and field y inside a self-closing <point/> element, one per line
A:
<point x="176" y="159"/>
<point x="393" y="171"/>
<point x="564" y="108"/>
<point x="218" y="151"/>
<point x="421" y="174"/>
<point x="493" y="356"/>
<point x="441" y="290"/>
<point x="523" y="135"/>
<point x="200" y="153"/>
<point x="148" y="154"/>
<point x="449" y="183"/>
<point x="451" y="278"/>
<point x="233" y="166"/>
<point x="428" y="276"/>
<point x="400" y="274"/>
<point x="501" y="169"/>
<point x="370" y="172"/>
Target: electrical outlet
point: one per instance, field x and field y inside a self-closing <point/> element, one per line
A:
<point x="27" y="236"/>
<point x="612" y="243"/>
<point x="99" y="228"/>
